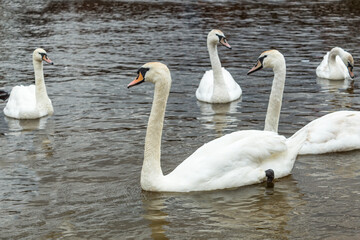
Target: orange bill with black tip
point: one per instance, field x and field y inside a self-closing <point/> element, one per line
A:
<point x="257" y="66"/>
<point x="224" y="42"/>
<point x="47" y="59"/>
<point x="139" y="79"/>
<point x="351" y="73"/>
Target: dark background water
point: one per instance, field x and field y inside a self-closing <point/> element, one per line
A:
<point x="75" y="175"/>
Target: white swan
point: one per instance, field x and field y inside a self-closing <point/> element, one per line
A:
<point x="217" y="85"/>
<point x="334" y="132"/>
<point x="31" y="102"/>
<point x="234" y="160"/>
<point x="336" y="65"/>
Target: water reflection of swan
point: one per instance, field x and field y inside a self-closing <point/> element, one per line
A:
<point x="215" y="116"/>
<point x="252" y="211"/>
<point x="155" y="212"/>
<point x="16" y="126"/>
<point x="334" y="86"/>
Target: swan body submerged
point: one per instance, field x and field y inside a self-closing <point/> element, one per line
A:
<point x="234" y="160"/>
<point x="336" y="65"/>
<point x="31" y="102"/>
<point x="217" y="85"/>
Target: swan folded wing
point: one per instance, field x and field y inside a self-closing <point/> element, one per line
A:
<point x="22" y="99"/>
<point x="230" y="161"/>
<point x="335" y="132"/>
<point x="233" y="88"/>
<point x="206" y="86"/>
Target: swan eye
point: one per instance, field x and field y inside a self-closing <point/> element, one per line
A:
<point x="261" y="59"/>
<point x="221" y="37"/>
<point x="43" y="55"/>
<point x="142" y="71"/>
<point x="350" y="66"/>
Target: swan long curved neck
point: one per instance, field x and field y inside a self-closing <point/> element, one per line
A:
<point x="40" y="88"/>
<point x="151" y="169"/>
<point x="215" y="60"/>
<point x="219" y="91"/>
<point x="275" y="100"/>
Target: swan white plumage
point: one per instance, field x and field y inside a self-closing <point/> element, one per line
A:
<point x="337" y="64"/>
<point x="31" y="102"/>
<point x="217" y="85"/>
<point x="234" y="160"/>
<point x="335" y="132"/>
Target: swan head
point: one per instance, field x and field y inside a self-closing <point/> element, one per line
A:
<point x="40" y="55"/>
<point x="268" y="59"/>
<point x="216" y="36"/>
<point x="153" y="72"/>
<point x="349" y="62"/>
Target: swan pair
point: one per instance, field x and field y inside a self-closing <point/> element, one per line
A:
<point x="218" y="86"/>
<point x="234" y="160"/>
<point x="31" y="102"/>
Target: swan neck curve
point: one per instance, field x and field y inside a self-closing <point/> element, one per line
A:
<point x="40" y="88"/>
<point x="333" y="53"/>
<point x="151" y="172"/>
<point x="219" y="92"/>
<point x="276" y="95"/>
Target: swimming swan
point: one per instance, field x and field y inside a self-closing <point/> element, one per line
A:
<point x="234" y="160"/>
<point x="31" y="102"/>
<point x="217" y="85"/>
<point x="335" y="132"/>
<point x="336" y="65"/>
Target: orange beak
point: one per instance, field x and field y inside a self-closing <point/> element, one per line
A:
<point x="136" y="81"/>
<point x="257" y="66"/>
<point x="224" y="42"/>
<point x="46" y="59"/>
<point x="351" y="73"/>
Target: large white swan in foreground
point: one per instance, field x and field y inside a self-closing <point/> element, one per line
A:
<point x="217" y="85"/>
<point x="234" y="160"/>
<point x="336" y="65"/>
<point x="31" y="102"/>
<point x="334" y="132"/>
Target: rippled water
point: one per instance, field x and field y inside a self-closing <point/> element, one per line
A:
<point x="75" y="175"/>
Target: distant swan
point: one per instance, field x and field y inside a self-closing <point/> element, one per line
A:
<point x="336" y="65"/>
<point x="234" y="160"/>
<point x="217" y="85"/>
<point x="31" y="102"/>
<point x="334" y="132"/>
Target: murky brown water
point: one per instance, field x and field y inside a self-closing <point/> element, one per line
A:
<point x="76" y="174"/>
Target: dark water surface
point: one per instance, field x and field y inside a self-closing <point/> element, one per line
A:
<point x="75" y="175"/>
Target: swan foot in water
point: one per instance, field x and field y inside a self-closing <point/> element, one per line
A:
<point x="270" y="178"/>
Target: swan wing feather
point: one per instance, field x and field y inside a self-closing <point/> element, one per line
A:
<point x="230" y="161"/>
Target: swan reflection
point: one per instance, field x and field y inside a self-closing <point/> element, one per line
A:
<point x="327" y="85"/>
<point x="252" y="211"/>
<point x="216" y="116"/>
<point x="25" y="125"/>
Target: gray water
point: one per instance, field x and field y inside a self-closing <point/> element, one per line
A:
<point x="75" y="175"/>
